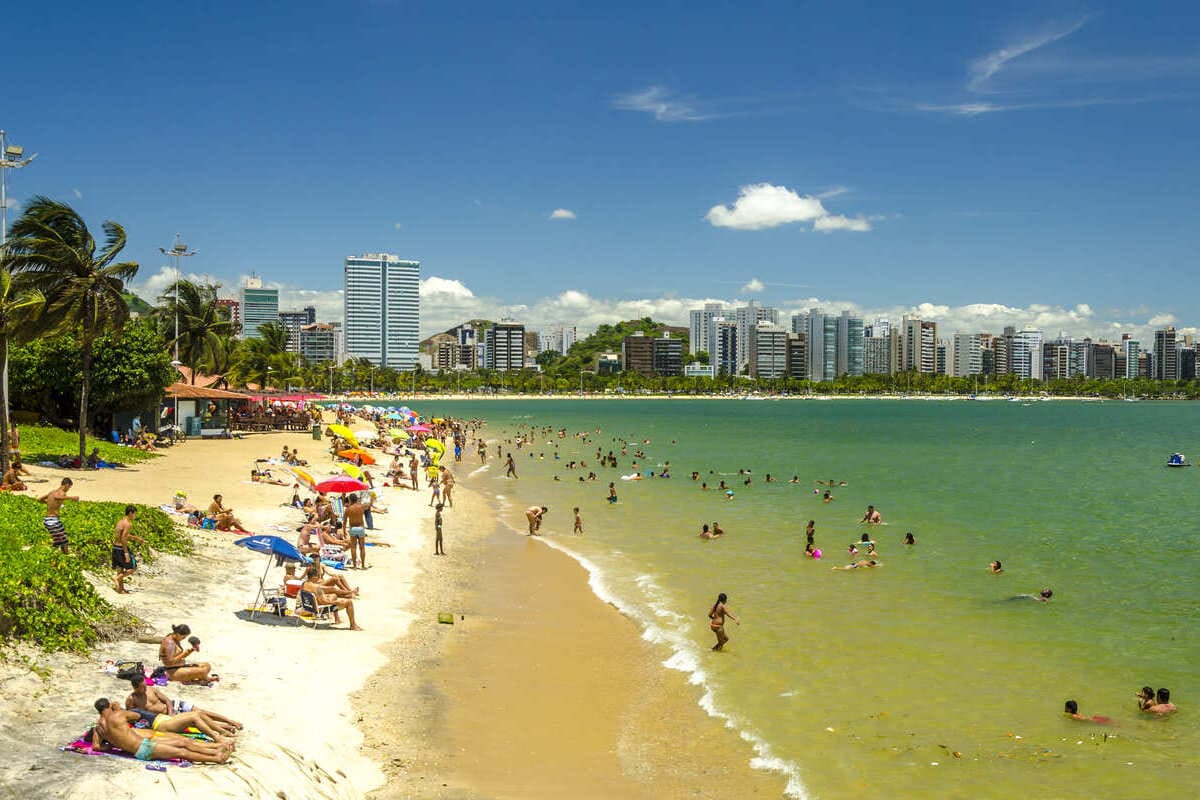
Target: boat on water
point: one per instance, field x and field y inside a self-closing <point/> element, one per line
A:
<point x="1178" y="460"/>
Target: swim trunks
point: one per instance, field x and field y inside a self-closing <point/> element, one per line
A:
<point x="358" y="532"/>
<point x="145" y="751"/>
<point x="158" y="720"/>
<point x="58" y="533"/>
<point x="122" y="558"/>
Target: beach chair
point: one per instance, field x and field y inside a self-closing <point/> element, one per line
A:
<point x="316" y="613"/>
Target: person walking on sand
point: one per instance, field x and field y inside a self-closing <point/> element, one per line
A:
<point x="510" y="467"/>
<point x="447" y="487"/>
<point x="716" y="620"/>
<point x="438" y="550"/>
<point x="435" y="491"/>
<point x="578" y="522"/>
<point x="534" y="514"/>
<point x="122" y="560"/>
<point x="354" y="520"/>
<point x="54" y="501"/>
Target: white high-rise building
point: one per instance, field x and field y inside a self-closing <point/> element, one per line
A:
<point x="966" y="358"/>
<point x="700" y="326"/>
<point x="748" y="317"/>
<point x="383" y="309"/>
<point x="1026" y="354"/>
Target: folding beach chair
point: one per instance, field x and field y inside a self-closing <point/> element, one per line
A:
<point x="316" y="613"/>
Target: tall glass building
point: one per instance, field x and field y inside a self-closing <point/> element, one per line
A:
<point x="259" y="306"/>
<point x="383" y="309"/>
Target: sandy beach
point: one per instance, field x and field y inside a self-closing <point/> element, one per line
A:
<point x="539" y="689"/>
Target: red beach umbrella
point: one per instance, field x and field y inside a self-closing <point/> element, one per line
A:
<point x="341" y="486"/>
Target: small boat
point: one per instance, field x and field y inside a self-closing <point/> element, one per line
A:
<point x="1178" y="460"/>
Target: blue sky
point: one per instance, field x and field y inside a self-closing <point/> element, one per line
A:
<point x="1022" y="163"/>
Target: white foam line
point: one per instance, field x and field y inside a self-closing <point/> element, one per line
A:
<point x="685" y="657"/>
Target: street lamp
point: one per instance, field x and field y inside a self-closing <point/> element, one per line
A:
<point x="11" y="157"/>
<point x="178" y="251"/>
<point x="267" y="385"/>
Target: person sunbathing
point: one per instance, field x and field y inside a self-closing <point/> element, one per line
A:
<point x="182" y="506"/>
<point x="333" y="582"/>
<point x="151" y="698"/>
<point x="113" y="729"/>
<point x="223" y="517"/>
<point x="174" y="658"/>
<point x="265" y="476"/>
<point x="179" y="722"/>
<point x="327" y="598"/>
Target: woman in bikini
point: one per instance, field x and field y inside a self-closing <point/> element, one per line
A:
<point x="716" y="619"/>
<point x="174" y="658"/>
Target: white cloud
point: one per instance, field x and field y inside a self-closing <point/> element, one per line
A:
<point x="562" y="213"/>
<point x="753" y="286"/>
<point x="662" y="103"/>
<point x="435" y="287"/>
<point x="764" y="205"/>
<point x="78" y="194"/>
<point x="836" y="222"/>
<point x="397" y="225"/>
<point x="981" y="71"/>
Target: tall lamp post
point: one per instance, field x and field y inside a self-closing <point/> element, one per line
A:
<point x="11" y="157"/>
<point x="177" y="251"/>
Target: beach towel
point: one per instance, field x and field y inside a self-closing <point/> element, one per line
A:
<point x="83" y="746"/>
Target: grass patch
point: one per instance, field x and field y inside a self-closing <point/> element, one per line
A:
<point x="46" y="443"/>
<point x="45" y="597"/>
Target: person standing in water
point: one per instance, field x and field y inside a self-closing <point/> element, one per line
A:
<point x="510" y="467"/>
<point x="716" y="620"/>
<point x="578" y="522"/>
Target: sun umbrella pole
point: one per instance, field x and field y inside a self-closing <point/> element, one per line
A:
<point x="259" y="594"/>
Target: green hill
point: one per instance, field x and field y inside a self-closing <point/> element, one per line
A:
<point x="136" y="304"/>
<point x="607" y="339"/>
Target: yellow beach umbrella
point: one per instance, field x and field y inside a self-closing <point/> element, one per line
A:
<point x="345" y="433"/>
<point x="433" y="445"/>
<point x="398" y="434"/>
<point x="304" y="477"/>
<point x="352" y="470"/>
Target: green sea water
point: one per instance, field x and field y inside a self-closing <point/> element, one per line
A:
<point x="922" y="678"/>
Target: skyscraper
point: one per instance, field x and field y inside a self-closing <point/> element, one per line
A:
<point x="966" y="360"/>
<point x="700" y="324"/>
<point x="1166" y="355"/>
<point x="506" y="346"/>
<point x="259" y="306"/>
<point x="722" y="338"/>
<point x="293" y="321"/>
<point x="748" y="317"/>
<point x="383" y="309"/>
<point x="918" y="348"/>
<point x="850" y="353"/>
<point x="1026" y="354"/>
<point x="770" y="351"/>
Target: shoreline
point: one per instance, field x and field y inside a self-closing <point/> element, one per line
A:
<point x="541" y="688"/>
<point x="984" y="398"/>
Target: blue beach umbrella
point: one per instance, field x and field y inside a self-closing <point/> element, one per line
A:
<point x="275" y="547"/>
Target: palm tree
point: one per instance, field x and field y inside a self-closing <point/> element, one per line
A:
<point x="17" y="308"/>
<point x="52" y="251"/>
<point x="204" y="327"/>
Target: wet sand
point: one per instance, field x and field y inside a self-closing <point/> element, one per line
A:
<point x="539" y="689"/>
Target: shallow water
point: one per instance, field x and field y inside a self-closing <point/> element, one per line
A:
<point x="933" y="681"/>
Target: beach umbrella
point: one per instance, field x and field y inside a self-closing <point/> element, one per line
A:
<point x="353" y="471"/>
<point x="419" y="429"/>
<point x="435" y="445"/>
<point x="363" y="455"/>
<point x="341" y="486"/>
<point x="275" y="548"/>
<point x="367" y="435"/>
<point x="345" y="433"/>
<point x="304" y="477"/>
<point x="398" y="434"/>
<point x="394" y="415"/>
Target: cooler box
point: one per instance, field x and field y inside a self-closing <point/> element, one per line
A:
<point x="292" y="588"/>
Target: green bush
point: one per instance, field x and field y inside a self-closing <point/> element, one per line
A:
<point x="45" y="598"/>
<point x="45" y="443"/>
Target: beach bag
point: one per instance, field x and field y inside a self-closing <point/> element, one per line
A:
<point x="128" y="670"/>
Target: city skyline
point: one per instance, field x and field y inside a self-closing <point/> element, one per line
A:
<point x="1009" y="167"/>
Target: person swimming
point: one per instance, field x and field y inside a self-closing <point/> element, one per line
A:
<point x="995" y="567"/>
<point x="1071" y="709"/>
<point x="909" y="538"/>
<point x="1042" y="597"/>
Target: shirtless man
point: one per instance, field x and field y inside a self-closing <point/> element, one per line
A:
<point x="174" y="658"/>
<point x="705" y="533"/>
<point x="1162" y="703"/>
<point x="355" y="522"/>
<point x="225" y="520"/>
<point x="54" y="501"/>
<point x="122" y="560"/>
<point x="872" y="517"/>
<point x="148" y="745"/>
<point x="168" y="717"/>
<point x="578" y="522"/>
<point x="534" y="515"/>
<point x="324" y="598"/>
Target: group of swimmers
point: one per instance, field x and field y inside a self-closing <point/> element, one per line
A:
<point x="1148" y="702"/>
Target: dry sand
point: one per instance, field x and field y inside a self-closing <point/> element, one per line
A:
<point x="539" y="689"/>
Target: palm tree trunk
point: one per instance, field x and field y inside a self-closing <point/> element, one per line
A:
<point x="83" y="398"/>
<point x="5" y="425"/>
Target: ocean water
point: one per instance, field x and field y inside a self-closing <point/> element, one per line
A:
<point x="922" y="678"/>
